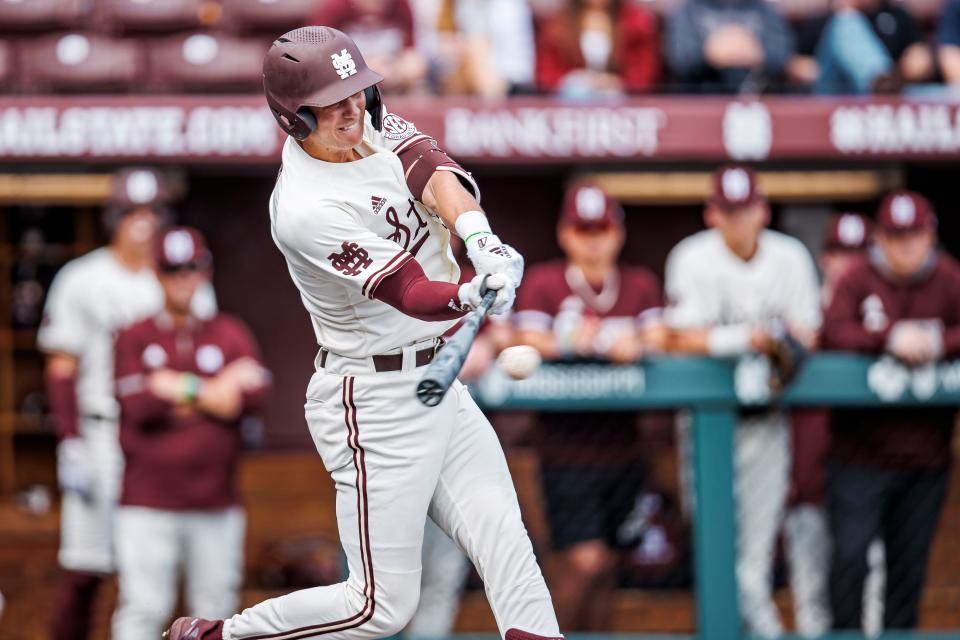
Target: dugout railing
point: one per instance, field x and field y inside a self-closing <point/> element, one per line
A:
<point x="714" y="390"/>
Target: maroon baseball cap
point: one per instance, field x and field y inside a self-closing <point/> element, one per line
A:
<point x="587" y="206"/>
<point x="135" y="187"/>
<point x="905" y="211"/>
<point x="182" y="248"/>
<point x="735" y="186"/>
<point x="847" y="231"/>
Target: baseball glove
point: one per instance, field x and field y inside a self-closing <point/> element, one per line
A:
<point x="787" y="354"/>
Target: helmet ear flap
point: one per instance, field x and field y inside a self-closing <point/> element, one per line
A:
<point x="308" y="118"/>
<point x="374" y="105"/>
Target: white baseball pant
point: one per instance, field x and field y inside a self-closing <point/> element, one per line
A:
<point x="761" y="480"/>
<point x="86" y="523"/>
<point x="445" y="570"/>
<point x="153" y="545"/>
<point x="807" y="541"/>
<point x="393" y="461"/>
<point x="761" y="465"/>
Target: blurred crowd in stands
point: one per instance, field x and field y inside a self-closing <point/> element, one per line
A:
<point x="493" y="48"/>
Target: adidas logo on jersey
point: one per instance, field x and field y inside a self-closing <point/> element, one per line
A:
<point x="377" y="203"/>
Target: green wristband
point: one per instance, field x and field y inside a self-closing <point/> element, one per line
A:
<point x="191" y="388"/>
<point x="475" y="234"/>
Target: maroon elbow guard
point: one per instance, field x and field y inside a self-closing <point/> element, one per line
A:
<point x="421" y="157"/>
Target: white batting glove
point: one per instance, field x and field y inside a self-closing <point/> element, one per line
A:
<point x="74" y="470"/>
<point x="471" y="293"/>
<point x="489" y="255"/>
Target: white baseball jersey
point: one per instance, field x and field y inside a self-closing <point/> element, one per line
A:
<point x="343" y="228"/>
<point x="90" y="300"/>
<point x="708" y="285"/>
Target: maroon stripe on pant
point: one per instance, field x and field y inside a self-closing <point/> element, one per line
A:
<point x="364" y="615"/>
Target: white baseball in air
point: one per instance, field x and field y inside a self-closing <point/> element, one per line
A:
<point x="519" y="362"/>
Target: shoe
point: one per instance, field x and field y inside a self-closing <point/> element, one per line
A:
<point x="194" y="629"/>
<point x="517" y="634"/>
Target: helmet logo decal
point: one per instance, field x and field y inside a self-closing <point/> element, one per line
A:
<point x="902" y="210"/>
<point x="344" y="64"/>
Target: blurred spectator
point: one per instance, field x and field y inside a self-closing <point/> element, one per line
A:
<point x="726" y="286"/>
<point x="888" y="467"/>
<point x="588" y="307"/>
<point x="92" y="298"/>
<point x="948" y="41"/>
<point x="384" y="32"/>
<point x="485" y="47"/>
<point x="598" y="47"/>
<point x="730" y="46"/>
<point x="859" y="47"/>
<point x="805" y="525"/>
<point x="184" y="384"/>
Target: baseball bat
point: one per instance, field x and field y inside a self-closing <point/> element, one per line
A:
<point x="444" y="369"/>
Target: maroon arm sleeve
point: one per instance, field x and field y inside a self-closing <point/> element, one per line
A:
<point x="62" y="395"/>
<point x="410" y="292"/>
<point x="138" y="405"/>
<point x="842" y="326"/>
<point x="245" y="346"/>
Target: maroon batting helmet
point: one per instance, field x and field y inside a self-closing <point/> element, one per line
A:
<point x="315" y="67"/>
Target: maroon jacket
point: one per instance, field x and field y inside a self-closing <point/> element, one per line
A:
<point x="178" y="458"/>
<point x="547" y="298"/>
<point x="864" y="308"/>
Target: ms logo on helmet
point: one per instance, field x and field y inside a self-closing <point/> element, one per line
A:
<point x="344" y="64"/>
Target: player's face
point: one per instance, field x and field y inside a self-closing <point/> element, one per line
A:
<point x="906" y="252"/>
<point x="834" y="263"/>
<point x="180" y="286"/>
<point x="740" y="227"/>
<point x="138" y="227"/>
<point x="339" y="126"/>
<point x="592" y="245"/>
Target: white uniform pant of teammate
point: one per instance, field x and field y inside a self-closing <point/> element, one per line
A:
<point x="153" y="545"/>
<point x="807" y="539"/>
<point x="393" y="461"/>
<point x="761" y="463"/>
<point x="86" y="522"/>
<point x="761" y="480"/>
<point x="445" y="569"/>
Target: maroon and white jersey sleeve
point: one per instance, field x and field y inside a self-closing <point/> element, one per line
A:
<point x="399" y="134"/>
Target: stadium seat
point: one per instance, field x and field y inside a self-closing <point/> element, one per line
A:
<point x="207" y="61"/>
<point x="156" y="15"/>
<point x="37" y="15"/>
<point x="267" y="15"/>
<point x="77" y="62"/>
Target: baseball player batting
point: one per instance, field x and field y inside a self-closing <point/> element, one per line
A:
<point x="362" y="211"/>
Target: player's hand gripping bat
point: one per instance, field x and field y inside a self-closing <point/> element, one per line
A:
<point x="444" y="369"/>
